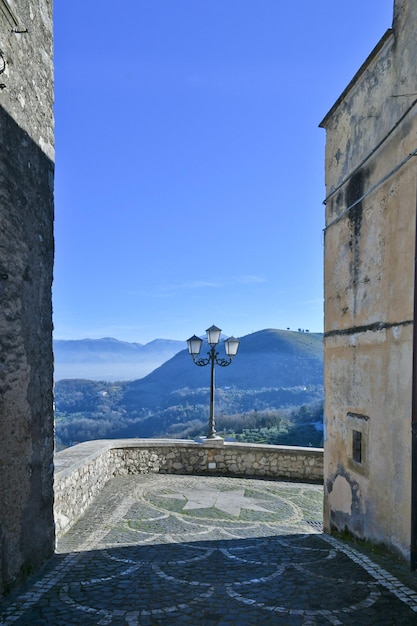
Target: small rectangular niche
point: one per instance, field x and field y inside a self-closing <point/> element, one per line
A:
<point x="358" y="427"/>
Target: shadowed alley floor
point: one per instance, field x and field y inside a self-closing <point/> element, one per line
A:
<point x="167" y="550"/>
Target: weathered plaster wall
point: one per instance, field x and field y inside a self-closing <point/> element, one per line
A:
<point x="83" y="470"/>
<point x="369" y="278"/>
<point x="26" y="257"/>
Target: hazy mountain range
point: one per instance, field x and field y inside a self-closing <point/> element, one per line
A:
<point x="110" y="359"/>
<point x="273" y="369"/>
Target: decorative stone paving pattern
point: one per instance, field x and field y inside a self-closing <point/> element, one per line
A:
<point x="384" y="578"/>
<point x="161" y="550"/>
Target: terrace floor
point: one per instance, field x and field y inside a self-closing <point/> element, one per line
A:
<point x="169" y="550"/>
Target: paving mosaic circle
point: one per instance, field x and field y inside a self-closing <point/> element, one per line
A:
<point x="189" y="550"/>
<point x="223" y="501"/>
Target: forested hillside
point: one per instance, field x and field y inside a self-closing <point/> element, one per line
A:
<point x="273" y="388"/>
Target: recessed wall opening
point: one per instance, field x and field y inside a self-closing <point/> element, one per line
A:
<point x="357" y="446"/>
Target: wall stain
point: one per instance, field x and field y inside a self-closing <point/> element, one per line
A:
<point x="355" y="190"/>
<point x="340" y="520"/>
<point x="374" y="327"/>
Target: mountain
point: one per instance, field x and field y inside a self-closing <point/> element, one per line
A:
<point x="266" y="359"/>
<point x="273" y="370"/>
<point x="110" y="359"/>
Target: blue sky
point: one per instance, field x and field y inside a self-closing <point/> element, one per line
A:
<point x="189" y="162"/>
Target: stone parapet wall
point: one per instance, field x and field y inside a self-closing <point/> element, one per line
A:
<point x="79" y="478"/>
<point x="83" y="470"/>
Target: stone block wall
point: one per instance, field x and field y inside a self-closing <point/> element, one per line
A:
<point x="83" y="470"/>
<point x="26" y="260"/>
<point x="78" y="485"/>
<point x="285" y="462"/>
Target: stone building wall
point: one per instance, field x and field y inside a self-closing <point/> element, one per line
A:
<point x="26" y="258"/>
<point x="83" y="470"/>
<point x="371" y="139"/>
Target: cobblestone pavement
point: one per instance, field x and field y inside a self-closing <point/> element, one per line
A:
<point x="166" y="550"/>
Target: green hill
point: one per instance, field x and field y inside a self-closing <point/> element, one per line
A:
<point x="274" y="370"/>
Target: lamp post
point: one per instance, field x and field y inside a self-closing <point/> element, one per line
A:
<point x="231" y="346"/>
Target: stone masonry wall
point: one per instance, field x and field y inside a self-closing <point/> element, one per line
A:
<point x="26" y="260"/>
<point x="83" y="470"/>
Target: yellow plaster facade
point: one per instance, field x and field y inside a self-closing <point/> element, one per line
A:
<point x="371" y="182"/>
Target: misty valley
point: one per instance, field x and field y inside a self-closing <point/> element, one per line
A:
<point x="272" y="393"/>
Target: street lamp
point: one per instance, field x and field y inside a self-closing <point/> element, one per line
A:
<point x="231" y="346"/>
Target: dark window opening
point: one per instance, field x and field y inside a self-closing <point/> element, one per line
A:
<point x="357" y="446"/>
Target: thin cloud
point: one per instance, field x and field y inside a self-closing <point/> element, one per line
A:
<point x="250" y="279"/>
<point x="245" y="279"/>
<point x="163" y="291"/>
<point x="192" y="284"/>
